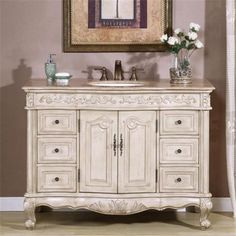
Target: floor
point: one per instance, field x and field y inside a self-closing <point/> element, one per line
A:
<point x="88" y="223"/>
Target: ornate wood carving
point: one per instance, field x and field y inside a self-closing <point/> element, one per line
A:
<point x="205" y="208"/>
<point x="29" y="207"/>
<point x="118" y="207"/>
<point x="78" y="100"/>
<point x="206" y="101"/>
<point x="29" y="99"/>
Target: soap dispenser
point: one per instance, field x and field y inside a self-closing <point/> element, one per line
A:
<point x="50" y="68"/>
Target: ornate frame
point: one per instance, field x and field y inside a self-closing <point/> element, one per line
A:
<point x="69" y="46"/>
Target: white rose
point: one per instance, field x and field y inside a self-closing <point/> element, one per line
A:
<point x="194" y="26"/>
<point x="172" y="40"/>
<point x="192" y="35"/>
<point x="199" y="44"/>
<point x="164" y="38"/>
<point x="178" y="30"/>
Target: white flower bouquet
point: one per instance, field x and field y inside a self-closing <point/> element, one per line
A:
<point x="182" y="45"/>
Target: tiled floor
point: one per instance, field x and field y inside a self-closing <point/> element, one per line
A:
<point x="89" y="223"/>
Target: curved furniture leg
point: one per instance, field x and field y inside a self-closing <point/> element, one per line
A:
<point x="29" y="207"/>
<point x="205" y="208"/>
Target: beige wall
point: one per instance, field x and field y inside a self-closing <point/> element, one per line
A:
<point x="31" y="29"/>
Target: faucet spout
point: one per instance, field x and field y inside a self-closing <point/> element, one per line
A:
<point x="119" y="74"/>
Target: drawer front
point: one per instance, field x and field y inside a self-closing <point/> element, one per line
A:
<point x="56" y="122"/>
<point x="178" y="179"/>
<point x="56" y="179"/>
<point x="179" y="151"/>
<point x="179" y="122"/>
<point x="56" y="150"/>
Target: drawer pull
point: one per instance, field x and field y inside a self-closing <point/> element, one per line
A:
<point x="57" y="179"/>
<point x="178" y="180"/>
<point x="178" y="122"/>
<point x="178" y="151"/>
<point x="56" y="150"/>
<point x="57" y="122"/>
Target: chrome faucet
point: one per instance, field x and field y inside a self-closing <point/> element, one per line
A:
<point x="119" y="74"/>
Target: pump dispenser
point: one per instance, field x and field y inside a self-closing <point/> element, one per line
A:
<point x="50" y="68"/>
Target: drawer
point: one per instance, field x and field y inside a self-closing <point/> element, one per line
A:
<point x="179" y="122"/>
<point x="57" y="150"/>
<point x="179" y="151"/>
<point x="56" y="179"/>
<point x="178" y="179"/>
<point x="56" y="122"/>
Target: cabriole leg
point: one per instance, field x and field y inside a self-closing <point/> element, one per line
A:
<point x="29" y="207"/>
<point x="205" y="208"/>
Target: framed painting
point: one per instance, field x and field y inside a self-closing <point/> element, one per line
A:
<point x="116" y="25"/>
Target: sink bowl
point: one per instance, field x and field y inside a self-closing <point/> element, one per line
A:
<point x="117" y="83"/>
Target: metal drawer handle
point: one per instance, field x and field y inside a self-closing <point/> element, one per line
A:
<point x="57" y="122"/>
<point x="178" y="151"/>
<point x="57" y="179"/>
<point x="56" y="150"/>
<point x="178" y="122"/>
<point x="114" y="144"/>
<point x="121" y="145"/>
<point x="178" y="180"/>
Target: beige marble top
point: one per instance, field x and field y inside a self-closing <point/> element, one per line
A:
<point x="81" y="84"/>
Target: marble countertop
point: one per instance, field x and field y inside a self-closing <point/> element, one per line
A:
<point x="84" y="85"/>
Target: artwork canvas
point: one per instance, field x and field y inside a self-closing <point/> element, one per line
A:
<point x="117" y="14"/>
<point x="116" y="25"/>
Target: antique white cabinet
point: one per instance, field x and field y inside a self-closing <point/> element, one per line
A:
<point x="118" y="150"/>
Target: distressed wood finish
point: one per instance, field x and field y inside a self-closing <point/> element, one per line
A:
<point x="116" y="150"/>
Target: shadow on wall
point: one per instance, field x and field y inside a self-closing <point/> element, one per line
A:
<point x="215" y="72"/>
<point x="13" y="133"/>
<point x="147" y="61"/>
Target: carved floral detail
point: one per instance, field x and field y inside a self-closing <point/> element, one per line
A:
<point x="118" y="207"/>
<point x="206" y="102"/>
<point x="30" y="100"/>
<point x="158" y="99"/>
<point x="76" y="99"/>
<point x="181" y="99"/>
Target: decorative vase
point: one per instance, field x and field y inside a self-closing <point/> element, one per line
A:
<point x="181" y="72"/>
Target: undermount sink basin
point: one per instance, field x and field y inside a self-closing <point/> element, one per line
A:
<point x="117" y="83"/>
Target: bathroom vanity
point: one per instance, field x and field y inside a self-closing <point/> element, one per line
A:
<point x="118" y="149"/>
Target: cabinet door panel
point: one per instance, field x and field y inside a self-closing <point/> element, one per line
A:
<point x="98" y="162"/>
<point x="137" y="160"/>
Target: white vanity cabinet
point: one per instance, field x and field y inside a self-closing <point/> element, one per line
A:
<point x="118" y="150"/>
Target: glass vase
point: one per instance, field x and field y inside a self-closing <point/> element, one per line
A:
<point x="181" y="72"/>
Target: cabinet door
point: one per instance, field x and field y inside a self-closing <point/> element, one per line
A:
<point x="98" y="160"/>
<point x="137" y="152"/>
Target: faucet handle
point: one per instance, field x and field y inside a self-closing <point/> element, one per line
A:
<point x="134" y="73"/>
<point x="104" y="73"/>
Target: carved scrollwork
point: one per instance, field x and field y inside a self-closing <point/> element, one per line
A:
<point x="29" y="208"/>
<point x="133" y="123"/>
<point x="104" y="122"/>
<point x="29" y="99"/>
<point x="76" y="99"/>
<point x="206" y="102"/>
<point x="117" y="207"/>
<point x="80" y="100"/>
<point x="179" y="99"/>
<point x="205" y="208"/>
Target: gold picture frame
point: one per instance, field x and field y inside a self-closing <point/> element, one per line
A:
<point x="78" y="37"/>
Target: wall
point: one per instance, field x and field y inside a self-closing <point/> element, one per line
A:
<point x="31" y="29"/>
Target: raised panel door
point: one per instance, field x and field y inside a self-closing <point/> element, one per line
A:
<point x="98" y="158"/>
<point x="137" y="152"/>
